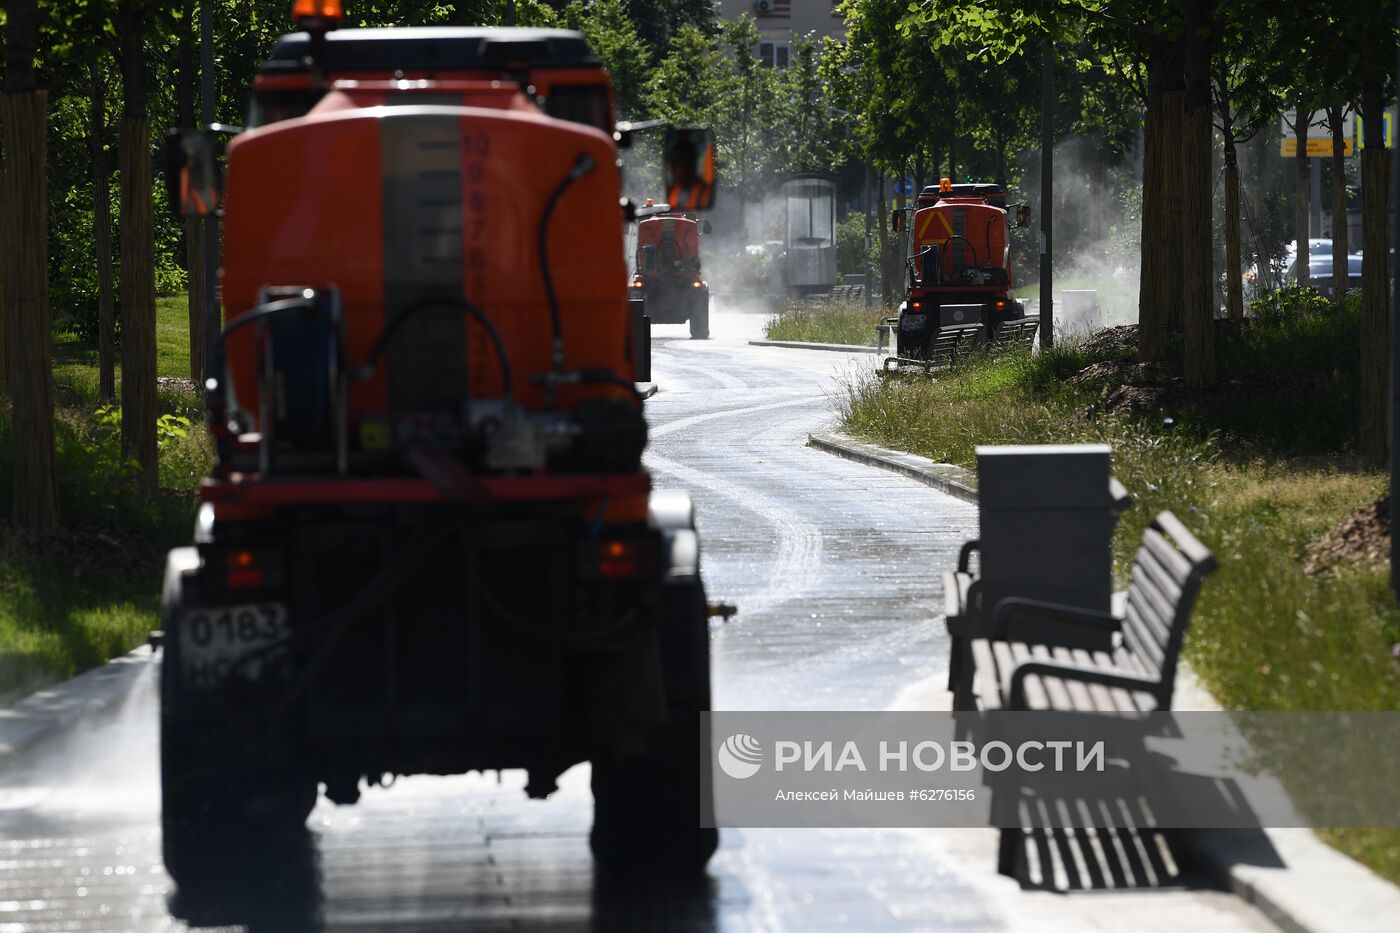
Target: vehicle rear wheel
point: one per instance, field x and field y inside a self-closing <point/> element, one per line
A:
<point x="700" y="318"/>
<point x="216" y="797"/>
<point x="212" y="806"/>
<point x="647" y="810"/>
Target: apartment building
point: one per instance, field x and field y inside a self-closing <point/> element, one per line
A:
<point x="781" y="21"/>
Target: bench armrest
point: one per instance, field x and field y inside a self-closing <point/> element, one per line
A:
<point x="1007" y="610"/>
<point x="1109" y="677"/>
<point x="965" y="554"/>
<point x="1041" y="623"/>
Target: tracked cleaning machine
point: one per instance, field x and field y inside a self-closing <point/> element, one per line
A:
<point x="428" y="545"/>
<point x="958" y="277"/>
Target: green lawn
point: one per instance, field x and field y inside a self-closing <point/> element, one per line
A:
<point x="828" y="322"/>
<point x="92" y="590"/>
<point x="1257" y="475"/>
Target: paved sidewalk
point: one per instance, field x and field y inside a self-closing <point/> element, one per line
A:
<point x="1302" y="884"/>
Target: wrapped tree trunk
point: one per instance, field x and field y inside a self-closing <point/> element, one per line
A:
<point x="24" y="255"/>
<point x="138" y="392"/>
<point x="24" y="242"/>
<point x="1341" y="270"/>
<point x="1375" y="292"/>
<point x="102" y="240"/>
<point x="1159" y="281"/>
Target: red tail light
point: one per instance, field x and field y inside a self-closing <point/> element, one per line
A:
<point x="243" y="571"/>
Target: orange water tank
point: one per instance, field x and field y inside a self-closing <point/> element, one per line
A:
<point x="398" y="192"/>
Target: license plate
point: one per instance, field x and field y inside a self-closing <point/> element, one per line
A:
<point x="212" y="641"/>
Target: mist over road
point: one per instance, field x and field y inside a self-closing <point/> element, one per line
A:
<point x="834" y="567"/>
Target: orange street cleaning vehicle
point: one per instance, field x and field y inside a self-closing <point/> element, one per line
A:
<point x="428" y="545"/>
<point x="667" y="271"/>
<point x="959" y="273"/>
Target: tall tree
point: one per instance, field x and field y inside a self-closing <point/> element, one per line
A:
<point x="138" y="301"/>
<point x="1375" y="38"/>
<point x="1246" y="101"/>
<point x="186" y="89"/>
<point x="1301" y="122"/>
<point x="1337" y="110"/>
<point x="1375" y="283"/>
<point x="1197" y="37"/>
<point x="24" y="246"/>
<point x="613" y="37"/>
<point x="102" y="232"/>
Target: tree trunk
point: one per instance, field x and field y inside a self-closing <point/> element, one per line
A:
<point x="138" y="392"/>
<point x="1001" y="164"/>
<point x="1301" y="196"/>
<point x="1197" y="255"/>
<point x="1375" y="293"/>
<point x="953" y="157"/>
<point x="888" y="287"/>
<point x="1174" y="176"/>
<point x="1234" y="296"/>
<point x="1160" y="261"/>
<point x="102" y="239"/>
<point x="25" y="245"/>
<point x="186" y="87"/>
<point x="1341" y="271"/>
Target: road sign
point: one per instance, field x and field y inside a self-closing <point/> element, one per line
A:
<point x="1316" y="147"/>
<point x="905" y="186"/>
<point x="1388" y="120"/>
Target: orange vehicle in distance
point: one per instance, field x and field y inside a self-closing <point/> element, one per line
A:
<point x="959" y="273"/>
<point x="428" y="544"/>
<point x="667" y="271"/>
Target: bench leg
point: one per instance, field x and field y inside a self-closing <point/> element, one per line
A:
<point x="1006" y="852"/>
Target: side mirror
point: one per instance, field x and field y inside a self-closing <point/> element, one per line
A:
<point x="1023" y="215"/>
<point x="705" y="228"/>
<point x="897" y="220"/>
<point x="192" y="173"/>
<point x="688" y="156"/>
<point x="928" y="265"/>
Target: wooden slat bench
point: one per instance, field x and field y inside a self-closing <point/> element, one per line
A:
<point x="1137" y="673"/>
<point x="1134" y="673"/>
<point x="847" y="292"/>
<point x="948" y="346"/>
<point x="1019" y="333"/>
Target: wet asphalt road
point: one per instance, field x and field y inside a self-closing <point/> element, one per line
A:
<point x="834" y="567"/>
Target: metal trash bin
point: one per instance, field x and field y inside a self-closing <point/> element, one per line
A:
<point x="1047" y="515"/>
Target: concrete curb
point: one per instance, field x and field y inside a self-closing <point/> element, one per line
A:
<point x="945" y="477"/>
<point x="44" y="712"/>
<point x="1296" y="880"/>
<point x="801" y="345"/>
<point x="646" y="389"/>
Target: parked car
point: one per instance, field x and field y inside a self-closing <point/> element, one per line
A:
<point x="1260" y="279"/>
<point x="1320" y="274"/>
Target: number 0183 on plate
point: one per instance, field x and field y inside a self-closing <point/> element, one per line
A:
<point x="212" y="641"/>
